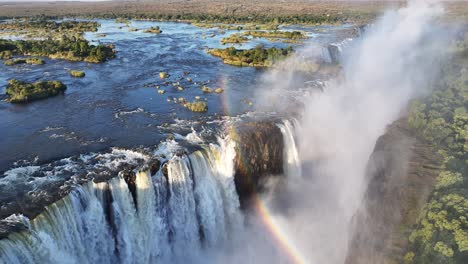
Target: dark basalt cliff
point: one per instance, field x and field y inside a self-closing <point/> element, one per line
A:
<point x="401" y="174"/>
<point x="259" y="154"/>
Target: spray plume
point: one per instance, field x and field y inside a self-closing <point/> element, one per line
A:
<point x="393" y="62"/>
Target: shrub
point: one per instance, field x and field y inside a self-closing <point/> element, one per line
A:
<point x="77" y="74"/>
<point x="197" y="106"/>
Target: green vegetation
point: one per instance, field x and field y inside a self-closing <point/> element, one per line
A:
<point x="197" y="106"/>
<point x="68" y="49"/>
<point x="6" y="54"/>
<point x="154" y="30"/>
<point x="294" y="35"/>
<point x="34" y="61"/>
<point x="77" y="26"/>
<point x="12" y="62"/>
<point x="234" y="39"/>
<point x="442" y="233"/>
<point x="77" y="74"/>
<point x="206" y="89"/>
<point x="256" y="57"/>
<point x="248" y="26"/>
<point x="122" y="20"/>
<point x="46" y="29"/>
<point x="23" y="92"/>
<point x="252" y="20"/>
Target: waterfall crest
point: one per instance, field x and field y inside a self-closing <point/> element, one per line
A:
<point x="192" y="206"/>
<point x="187" y="208"/>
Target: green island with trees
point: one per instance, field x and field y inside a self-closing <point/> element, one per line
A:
<point x="154" y="30"/>
<point x="23" y="92"/>
<point x="441" y="235"/>
<point x="296" y="35"/>
<point x="77" y="74"/>
<point x="234" y="39"/>
<point x="68" y="48"/>
<point x="287" y="36"/>
<point x="256" y="57"/>
<point x="46" y="29"/>
<point x="247" y="26"/>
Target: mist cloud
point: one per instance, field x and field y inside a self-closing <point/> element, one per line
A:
<point x="394" y="62"/>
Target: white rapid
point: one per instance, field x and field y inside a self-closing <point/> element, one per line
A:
<point x="169" y="219"/>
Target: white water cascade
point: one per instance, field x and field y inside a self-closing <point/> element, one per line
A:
<point x="185" y="214"/>
<point x="172" y="217"/>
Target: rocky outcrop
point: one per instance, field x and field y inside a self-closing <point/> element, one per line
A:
<point x="401" y="174"/>
<point x="259" y="154"/>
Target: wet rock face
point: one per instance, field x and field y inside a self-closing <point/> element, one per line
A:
<point x="259" y="155"/>
<point x="401" y="174"/>
<point x="130" y="178"/>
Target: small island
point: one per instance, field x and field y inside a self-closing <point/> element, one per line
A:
<point x="294" y="35"/>
<point x="71" y="49"/>
<point x="23" y="92"/>
<point x="197" y="106"/>
<point x="48" y="29"/>
<point x="77" y="74"/>
<point x="33" y="61"/>
<point x="256" y="57"/>
<point x="153" y="30"/>
<point x="234" y="39"/>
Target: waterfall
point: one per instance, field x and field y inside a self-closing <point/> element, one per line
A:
<point x="291" y="163"/>
<point x="171" y="216"/>
<point x="189" y="208"/>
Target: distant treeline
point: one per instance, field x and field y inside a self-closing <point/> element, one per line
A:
<point x="231" y="19"/>
<point x="75" y="26"/>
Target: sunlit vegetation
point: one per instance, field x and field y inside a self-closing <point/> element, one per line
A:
<point x="442" y="233"/>
<point x="6" y="54"/>
<point x="23" y="92"/>
<point x="248" y="26"/>
<point x="46" y="29"/>
<point x="295" y="35"/>
<point x="206" y="89"/>
<point x="197" y="106"/>
<point x="234" y="39"/>
<point x="259" y="19"/>
<point x="77" y="26"/>
<point x="77" y="74"/>
<point x="154" y="30"/>
<point x="122" y="20"/>
<point x="256" y="57"/>
<point x="68" y="49"/>
<point x="33" y="61"/>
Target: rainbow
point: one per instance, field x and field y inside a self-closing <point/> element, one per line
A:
<point x="281" y="238"/>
